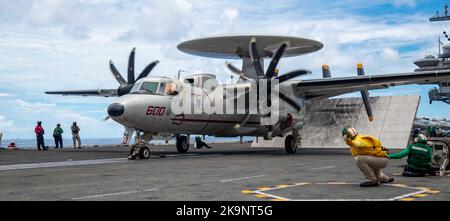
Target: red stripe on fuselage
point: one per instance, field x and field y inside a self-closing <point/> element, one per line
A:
<point x="213" y="121"/>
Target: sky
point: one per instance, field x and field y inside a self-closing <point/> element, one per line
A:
<point x="66" y="44"/>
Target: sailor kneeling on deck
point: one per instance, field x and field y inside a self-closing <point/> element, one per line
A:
<point x="370" y="156"/>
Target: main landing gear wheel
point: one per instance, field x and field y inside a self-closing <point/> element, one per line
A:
<point x="182" y="144"/>
<point x="144" y="153"/>
<point x="290" y="144"/>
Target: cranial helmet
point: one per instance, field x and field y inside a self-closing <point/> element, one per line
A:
<point x="420" y="138"/>
<point x="350" y="132"/>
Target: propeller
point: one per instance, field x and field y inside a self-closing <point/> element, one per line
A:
<point x="326" y="73"/>
<point x="271" y="70"/>
<point x="126" y="85"/>
<point x="365" y="93"/>
<point x="270" y="74"/>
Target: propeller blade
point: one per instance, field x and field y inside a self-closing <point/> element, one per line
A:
<point x="360" y="69"/>
<point x="365" y="93"/>
<point x="292" y="74"/>
<point x="131" y="67"/>
<point x="275" y="59"/>
<point x="235" y="70"/>
<point x="116" y="73"/>
<point x="255" y="58"/>
<point x="326" y="73"/>
<point x="367" y="105"/>
<point x="147" y="70"/>
<point x="107" y="118"/>
<point x="290" y="101"/>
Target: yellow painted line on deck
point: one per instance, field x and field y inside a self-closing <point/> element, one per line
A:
<point x="283" y="186"/>
<point x="264" y="188"/>
<point x="261" y="196"/>
<point x="433" y="191"/>
<point x="407" y="199"/>
<point x="421" y="195"/>
<point x="397" y="174"/>
<point x="278" y="200"/>
<point x="247" y="191"/>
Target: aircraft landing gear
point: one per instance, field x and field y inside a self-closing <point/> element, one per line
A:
<point x="141" y="148"/>
<point x="292" y="142"/>
<point x="141" y="151"/>
<point x="182" y="143"/>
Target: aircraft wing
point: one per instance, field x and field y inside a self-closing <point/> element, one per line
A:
<point x="330" y="87"/>
<point x="85" y="93"/>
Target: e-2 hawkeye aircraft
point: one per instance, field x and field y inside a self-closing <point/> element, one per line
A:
<point x="261" y="103"/>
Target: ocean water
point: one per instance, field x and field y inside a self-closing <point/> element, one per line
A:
<point x="68" y="143"/>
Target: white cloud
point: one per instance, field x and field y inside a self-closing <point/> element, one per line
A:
<point x="5" y="124"/>
<point x="34" y="106"/>
<point x="230" y="14"/>
<point x="389" y="54"/>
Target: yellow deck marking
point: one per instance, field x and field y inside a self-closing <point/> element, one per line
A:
<point x="425" y="191"/>
<point x="264" y="188"/>
<point x="278" y="200"/>
<point x="421" y="195"/>
<point x="397" y="174"/>
<point x="261" y="196"/>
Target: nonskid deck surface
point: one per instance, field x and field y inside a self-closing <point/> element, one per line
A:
<point x="226" y="172"/>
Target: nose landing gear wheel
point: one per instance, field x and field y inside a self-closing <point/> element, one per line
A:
<point x="143" y="152"/>
<point x="182" y="144"/>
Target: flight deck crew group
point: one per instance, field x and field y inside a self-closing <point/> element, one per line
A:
<point x="371" y="157"/>
<point x="57" y="135"/>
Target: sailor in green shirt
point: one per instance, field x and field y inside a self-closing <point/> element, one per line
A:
<point x="419" y="158"/>
<point x="57" y="134"/>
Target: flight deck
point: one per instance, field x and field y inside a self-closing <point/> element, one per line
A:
<point x="228" y="172"/>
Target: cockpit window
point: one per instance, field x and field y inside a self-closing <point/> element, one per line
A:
<point x="151" y="87"/>
<point x="161" y="89"/>
<point x="155" y="87"/>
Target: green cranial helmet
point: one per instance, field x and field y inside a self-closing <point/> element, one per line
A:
<point x="420" y="138"/>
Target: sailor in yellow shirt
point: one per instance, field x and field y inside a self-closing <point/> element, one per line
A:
<point x="370" y="156"/>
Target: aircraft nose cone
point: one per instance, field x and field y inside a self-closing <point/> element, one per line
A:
<point x="115" y="110"/>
